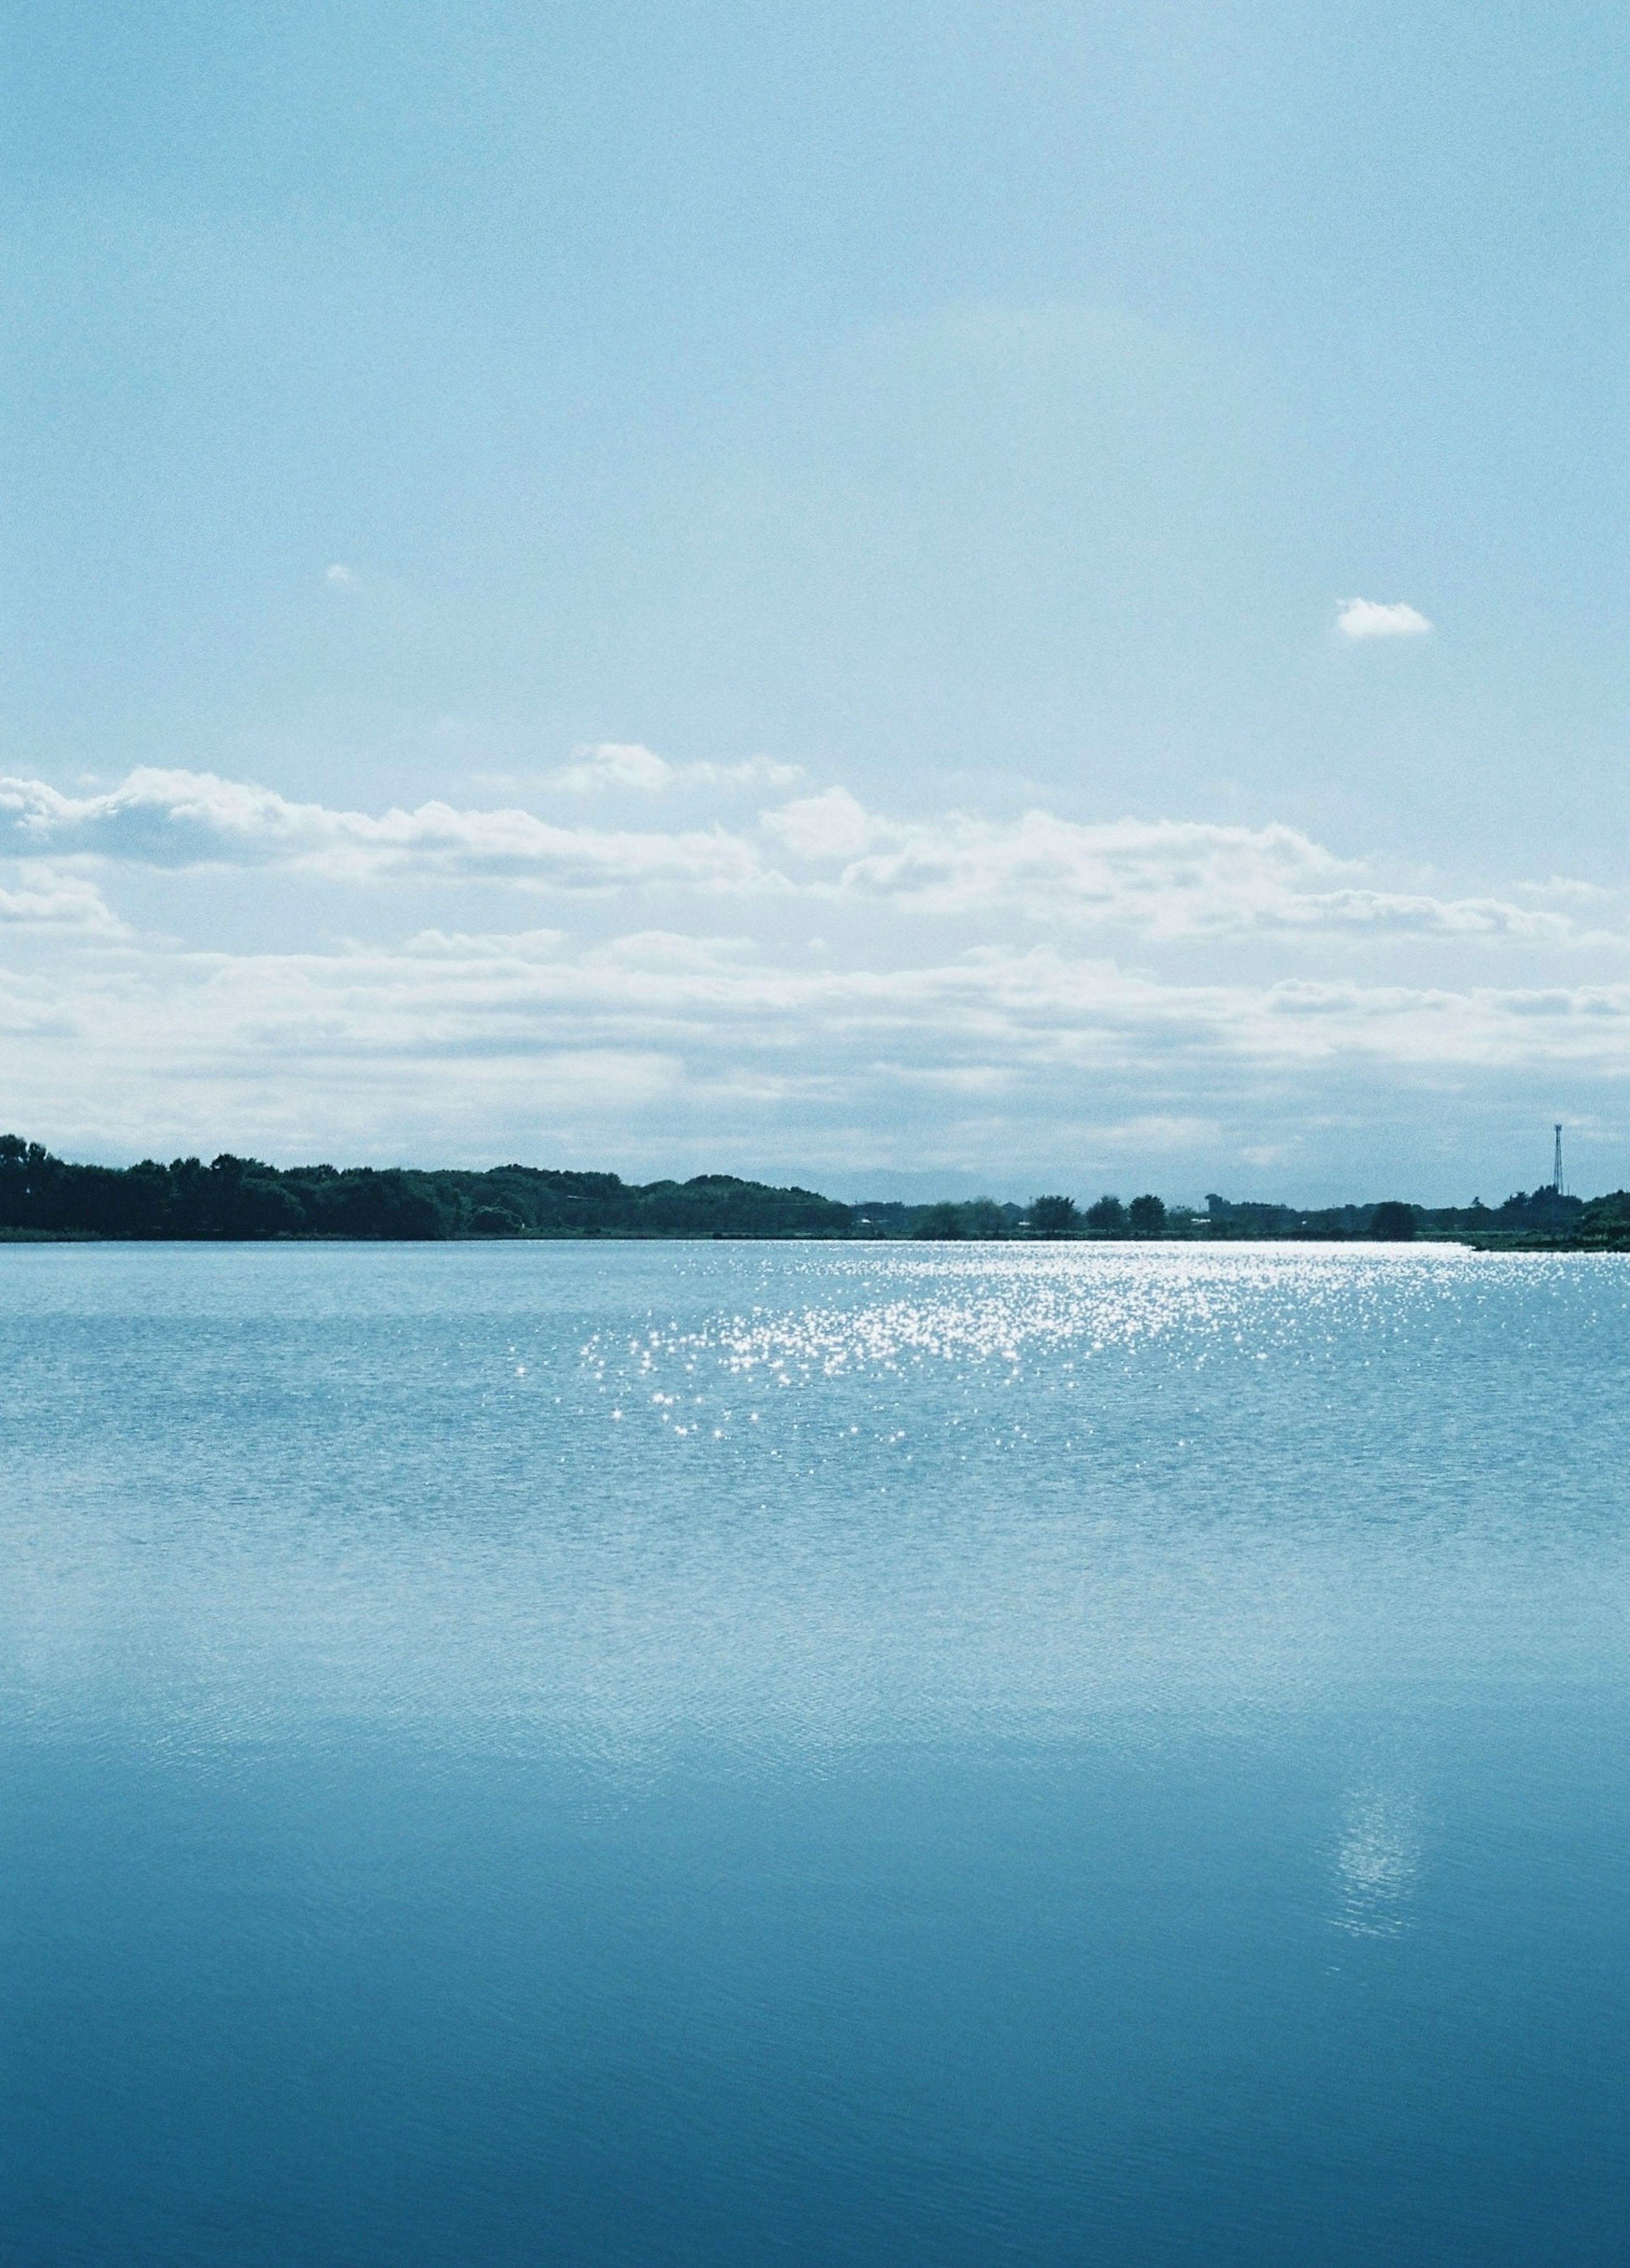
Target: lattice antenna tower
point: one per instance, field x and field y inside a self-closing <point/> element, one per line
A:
<point x="1556" y="1170"/>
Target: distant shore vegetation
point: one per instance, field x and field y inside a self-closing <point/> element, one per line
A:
<point x="237" y="1200"/>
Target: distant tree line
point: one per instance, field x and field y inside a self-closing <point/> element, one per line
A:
<point x="1048" y="1217"/>
<point x="1541" y="1218"/>
<point x="239" y="1198"/>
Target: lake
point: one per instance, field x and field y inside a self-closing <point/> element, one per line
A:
<point x="644" y="1753"/>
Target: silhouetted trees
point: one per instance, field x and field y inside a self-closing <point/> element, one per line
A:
<point x="980" y="1217"/>
<point x="242" y="1197"/>
<point x="239" y="1198"/>
<point x="1392" y="1223"/>
<point x="495" y="1221"/>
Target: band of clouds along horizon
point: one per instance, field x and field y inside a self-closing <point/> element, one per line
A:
<point x="666" y="1006"/>
<point x="1159" y="878"/>
<point x="1021" y="889"/>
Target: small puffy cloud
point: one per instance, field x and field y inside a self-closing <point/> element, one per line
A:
<point x="755" y="771"/>
<point x="522" y="944"/>
<point x="616" y="763"/>
<point x="830" y="826"/>
<point x="627" y="765"/>
<point x="39" y="898"/>
<point x="1564" y="887"/>
<point x="1368" y="618"/>
<point x="1414" y="914"/>
<point x="340" y="578"/>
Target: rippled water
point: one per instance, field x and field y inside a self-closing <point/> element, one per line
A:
<point x="813" y="1754"/>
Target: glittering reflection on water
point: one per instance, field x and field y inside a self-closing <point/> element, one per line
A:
<point x="804" y="1496"/>
<point x="995" y="1304"/>
<point x="1378" y="1861"/>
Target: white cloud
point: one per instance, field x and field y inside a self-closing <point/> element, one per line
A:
<point x="627" y="765"/>
<point x="177" y="819"/>
<point x="1411" y="914"/>
<point x="753" y="771"/>
<point x="616" y="763"/>
<point x="829" y="826"/>
<point x="1155" y="880"/>
<point x="1563" y="886"/>
<point x="985" y="984"/>
<point x="1160" y="879"/>
<point x="1368" y="618"/>
<point x="340" y="578"/>
<point x="1163" y="878"/>
<point x="541" y="1047"/>
<point x="39" y="898"/>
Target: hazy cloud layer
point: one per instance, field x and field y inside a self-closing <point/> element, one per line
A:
<point x="984" y="995"/>
<point x="532" y="1045"/>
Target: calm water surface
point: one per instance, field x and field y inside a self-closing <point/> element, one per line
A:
<point x="727" y="1753"/>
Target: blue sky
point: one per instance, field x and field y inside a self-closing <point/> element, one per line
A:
<point x="764" y="589"/>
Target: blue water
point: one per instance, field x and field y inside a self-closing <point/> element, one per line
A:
<point x="730" y="1753"/>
